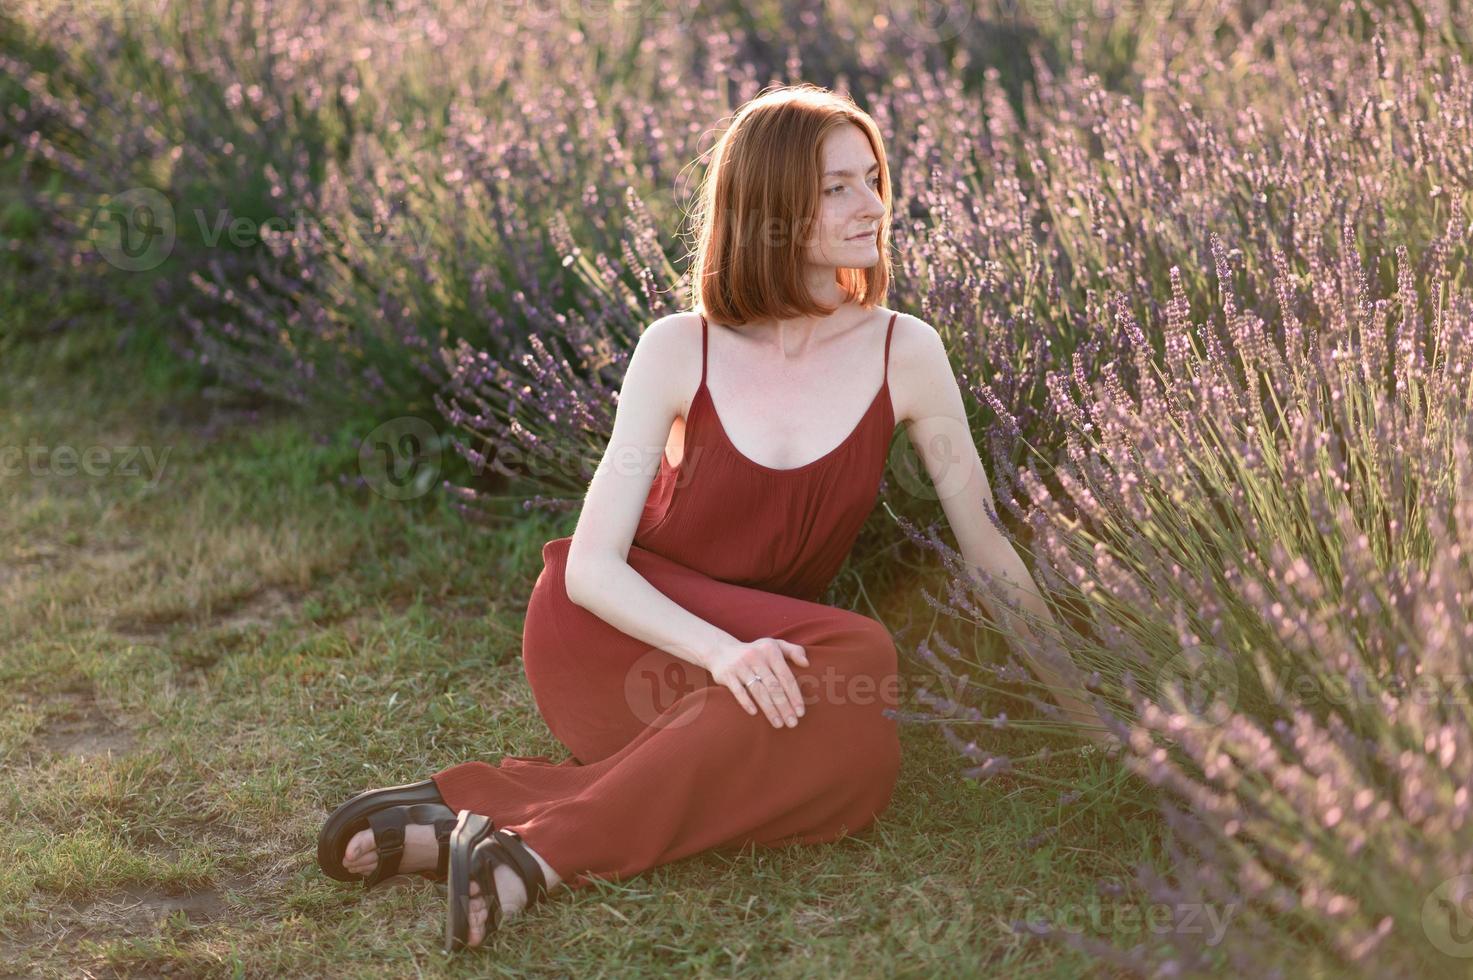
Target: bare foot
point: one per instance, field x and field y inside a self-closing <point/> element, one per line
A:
<point x="421" y="851"/>
<point x="513" y="896"/>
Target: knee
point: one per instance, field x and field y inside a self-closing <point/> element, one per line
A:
<point x="872" y="769"/>
<point x="859" y="671"/>
<point x="873" y="645"/>
<point x="856" y="700"/>
<point x="872" y="688"/>
<point x="873" y="749"/>
<point x="887" y="770"/>
<point x="852" y="640"/>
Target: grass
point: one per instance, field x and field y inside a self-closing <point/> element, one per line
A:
<point x="201" y="660"/>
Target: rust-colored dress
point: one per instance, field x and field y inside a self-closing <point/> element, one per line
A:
<point x="665" y="762"/>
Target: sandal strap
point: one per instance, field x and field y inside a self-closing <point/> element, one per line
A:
<point x="484" y="860"/>
<point x="389" y="829"/>
<point x="388" y="839"/>
<point x="526" y="866"/>
<point x="443" y="830"/>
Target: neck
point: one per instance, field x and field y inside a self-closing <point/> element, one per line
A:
<point x="794" y="338"/>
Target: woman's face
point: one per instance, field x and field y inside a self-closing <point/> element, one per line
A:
<point x="849" y="203"/>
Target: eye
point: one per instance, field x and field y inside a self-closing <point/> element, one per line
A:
<point x="875" y="181"/>
<point x="872" y="180"/>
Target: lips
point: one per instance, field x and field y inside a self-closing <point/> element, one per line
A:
<point x="863" y="234"/>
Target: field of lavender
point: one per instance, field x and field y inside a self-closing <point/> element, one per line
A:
<point x="1203" y="269"/>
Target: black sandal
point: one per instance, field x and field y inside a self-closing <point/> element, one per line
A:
<point x="386" y="812"/>
<point x="477" y="848"/>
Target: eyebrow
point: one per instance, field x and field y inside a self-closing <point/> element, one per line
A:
<point x="849" y="173"/>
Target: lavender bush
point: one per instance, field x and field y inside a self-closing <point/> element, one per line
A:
<point x="341" y="137"/>
<point x="1257" y="539"/>
<point x="169" y="139"/>
<point x="1279" y="589"/>
<point x="1007" y="240"/>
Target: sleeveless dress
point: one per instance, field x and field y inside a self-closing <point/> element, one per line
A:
<point x="665" y="762"/>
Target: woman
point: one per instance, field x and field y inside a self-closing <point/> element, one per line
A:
<point x="673" y="643"/>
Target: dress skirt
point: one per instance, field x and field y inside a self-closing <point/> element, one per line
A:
<point x="665" y="763"/>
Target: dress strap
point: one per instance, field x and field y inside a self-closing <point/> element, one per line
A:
<point x="888" y="331"/>
<point x="703" y="349"/>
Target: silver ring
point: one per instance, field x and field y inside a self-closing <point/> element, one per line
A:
<point x="754" y="680"/>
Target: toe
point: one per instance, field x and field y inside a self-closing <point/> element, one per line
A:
<point x="478" y="921"/>
<point x="477" y="915"/>
<point x="360" y="855"/>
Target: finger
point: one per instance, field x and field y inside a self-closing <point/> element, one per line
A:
<point x="791" y="689"/>
<point x="787" y="699"/>
<point x="777" y="690"/>
<point x="744" y="694"/>
<point x="796" y="652"/>
<point x="742" y="697"/>
<point x="763" y="695"/>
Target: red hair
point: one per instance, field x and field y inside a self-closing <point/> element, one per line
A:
<point x="765" y="175"/>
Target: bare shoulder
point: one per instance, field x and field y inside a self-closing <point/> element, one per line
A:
<point x="671" y="347"/>
<point x="917" y="361"/>
<point x="671" y="331"/>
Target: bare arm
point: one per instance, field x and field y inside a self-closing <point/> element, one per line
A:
<point x="943" y="441"/>
<point x="626" y="600"/>
<point x="599" y="577"/>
